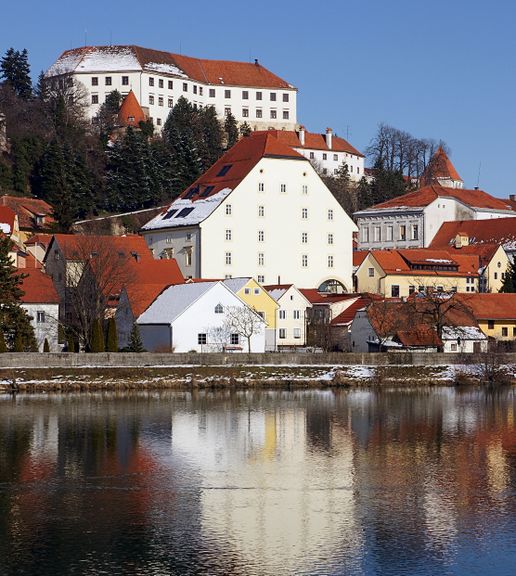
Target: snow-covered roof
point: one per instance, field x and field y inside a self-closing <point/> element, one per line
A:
<point x="236" y="284"/>
<point x="198" y="211"/>
<point x="277" y="293"/>
<point x="173" y="301"/>
<point x="463" y="332"/>
<point x="5" y="228"/>
<point x="116" y="58"/>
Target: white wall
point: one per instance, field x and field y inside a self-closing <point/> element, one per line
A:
<point x="334" y="161"/>
<point x="291" y="301"/>
<point x="47" y="329"/>
<point x="283" y="227"/>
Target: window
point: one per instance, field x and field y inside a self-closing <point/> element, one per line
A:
<point x="304" y="260"/>
<point x="170" y="103"/>
<point x="304" y="189"/>
<point x="185" y="87"/>
<point x="297" y="314"/>
<point x="505" y="331"/>
<point x="195" y="89"/>
<point x="234" y="339"/>
<point x="403" y="232"/>
<point x="261" y="259"/>
<point x="227" y="111"/>
<point x="330" y="238"/>
<point x="228" y="234"/>
<point x="160" y="101"/>
<point x="188" y="236"/>
<point x="40" y="317"/>
<point x="258" y="95"/>
<point x="261" y="211"/>
<point x="95" y="81"/>
<point x="389" y="233"/>
<point x="202" y="338"/>
<point x="490" y="324"/>
<point x="358" y="170"/>
<point x="261" y="236"/>
<point x="261" y="187"/>
<point x="227" y="93"/>
<point x="325" y="156"/>
<point x="283" y="188"/>
<point x="219" y="309"/>
<point x="245" y="112"/>
<point x="259" y="113"/>
<point x="274" y="115"/>
<point x="415" y="232"/>
<point x="395" y="291"/>
<point x="370" y="272"/>
<point x="158" y="121"/>
<point x="245" y="95"/>
<point x="108" y="80"/>
<point x="151" y="81"/>
<point x="335" y="157"/>
<point x="285" y="114"/>
<point x="365" y="234"/>
<point x="330" y="214"/>
<point x="304" y="213"/>
<point x="454" y="347"/>
<point x="297" y="332"/>
<point x="224" y="170"/>
<point x="312" y="155"/>
<point x="330" y="261"/>
<point x="273" y="96"/>
<point x="170" y="84"/>
<point x="211" y="93"/>
<point x="282" y="333"/>
<point x="304" y="237"/>
<point x="151" y="99"/>
<point x="496" y="275"/>
<point x="94" y="98"/>
<point x="125" y="80"/>
<point x="256" y="291"/>
<point x="228" y="258"/>
<point x="377" y="233"/>
<point x="247" y="290"/>
<point x="260" y="278"/>
<point x="282" y="314"/>
<point x="183" y="213"/>
<point x="228" y="209"/>
<point x="411" y="289"/>
<point x="188" y="258"/>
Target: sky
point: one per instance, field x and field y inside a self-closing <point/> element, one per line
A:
<point x="443" y="69"/>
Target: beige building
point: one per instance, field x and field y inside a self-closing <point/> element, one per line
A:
<point x="291" y="314"/>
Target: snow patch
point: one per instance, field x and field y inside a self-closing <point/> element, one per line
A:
<point x="5" y="228"/>
<point x="165" y="69"/>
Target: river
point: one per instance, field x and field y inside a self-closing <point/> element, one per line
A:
<point x="346" y="482"/>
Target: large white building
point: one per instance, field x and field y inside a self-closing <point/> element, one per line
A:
<point x="249" y="91"/>
<point x="262" y="211"/>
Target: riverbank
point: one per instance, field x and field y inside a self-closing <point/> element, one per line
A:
<point x="95" y="378"/>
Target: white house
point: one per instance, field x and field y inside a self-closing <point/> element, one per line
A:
<point x="262" y="211"/>
<point x="196" y="317"/>
<point x="41" y="301"/>
<point x="249" y="91"/>
<point x="291" y="316"/>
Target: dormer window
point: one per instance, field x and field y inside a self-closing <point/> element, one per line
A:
<point x="224" y="170"/>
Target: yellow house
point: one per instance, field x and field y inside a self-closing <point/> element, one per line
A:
<point x="399" y="273"/>
<point x="495" y="314"/>
<point x="255" y="296"/>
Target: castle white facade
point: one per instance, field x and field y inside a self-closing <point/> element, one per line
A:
<point x="158" y="79"/>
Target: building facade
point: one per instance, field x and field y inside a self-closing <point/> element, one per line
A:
<point x="249" y="91"/>
<point x="291" y="318"/>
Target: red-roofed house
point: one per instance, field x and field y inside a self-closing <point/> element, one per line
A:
<point x="262" y="211"/>
<point x="291" y="315"/>
<point x="495" y="313"/>
<point x="440" y="170"/>
<point x="41" y="301"/>
<point x="251" y="92"/>
<point x="412" y="220"/>
<point x="33" y="214"/>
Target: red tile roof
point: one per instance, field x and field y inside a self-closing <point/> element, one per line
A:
<point x="8" y="217"/>
<point x="359" y="256"/>
<point x="43" y="239"/>
<point x="38" y="288"/>
<point x="346" y="316"/>
<point x="495" y="230"/>
<point x="150" y="271"/>
<point x="131" y="113"/>
<point x="141" y="296"/>
<point x="27" y="209"/>
<point x="316" y="297"/>
<point x="440" y="166"/>
<point x="315" y="141"/>
<point x="79" y="247"/>
<point x="498" y="306"/>
<point x="426" y="195"/>
<point x="418" y="336"/>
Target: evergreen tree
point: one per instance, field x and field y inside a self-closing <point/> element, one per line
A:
<point x="112" y="336"/>
<point x="231" y="130"/>
<point x="107" y="116"/>
<point x="97" y="338"/>
<point x="135" y="341"/>
<point x="245" y="130"/>
<point x="70" y="343"/>
<point x="212" y="136"/>
<point x="15" y="70"/>
<point x="509" y="282"/>
<point x="41" y="91"/>
<point x="46" y="346"/>
<point x="3" y="347"/>
<point x="18" y="342"/>
<point x="341" y="187"/>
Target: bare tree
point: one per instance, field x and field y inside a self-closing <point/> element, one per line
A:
<point x="67" y="99"/>
<point x="219" y="337"/>
<point x="244" y="321"/>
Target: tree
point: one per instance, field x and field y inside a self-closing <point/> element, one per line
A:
<point x="97" y="338"/>
<point x="245" y="130"/>
<point x="509" y="282"/>
<point x="135" y="341"/>
<point x="112" y="336"/>
<point x="3" y="347"/>
<point x="107" y="116"/>
<point x="46" y="346"/>
<point x="212" y="137"/>
<point x="231" y="130"/>
<point x="15" y="69"/>
<point x="341" y="187"/>
<point x="244" y="321"/>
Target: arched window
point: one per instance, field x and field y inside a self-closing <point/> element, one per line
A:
<point x="219" y="309"/>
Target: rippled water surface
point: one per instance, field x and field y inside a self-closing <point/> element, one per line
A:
<point x="419" y="482"/>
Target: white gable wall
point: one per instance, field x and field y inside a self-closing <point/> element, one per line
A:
<point x="292" y="304"/>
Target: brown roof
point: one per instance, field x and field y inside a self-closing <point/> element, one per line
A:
<point x="141" y="296"/>
<point x="359" y="256"/>
<point x="494" y="230"/>
<point x="440" y="166"/>
<point x="346" y="316"/>
<point x="131" y="113"/>
<point x="38" y="288"/>
<point x="77" y="246"/>
<point x="7" y="216"/>
<point x="487" y="306"/>
<point x="315" y="141"/>
<point x="27" y="209"/>
<point x="43" y="239"/>
<point x="316" y="297"/>
<point x="426" y="195"/>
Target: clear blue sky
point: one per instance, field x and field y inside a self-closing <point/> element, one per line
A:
<point x="443" y="69"/>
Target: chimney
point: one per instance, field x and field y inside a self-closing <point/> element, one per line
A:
<point x="279" y="280"/>
<point x="302" y="135"/>
<point x="329" y="137"/>
<point x="256" y="62"/>
<point x="512" y="197"/>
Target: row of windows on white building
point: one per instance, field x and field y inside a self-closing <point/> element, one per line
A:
<point x="404" y="233"/>
<point x="261" y="260"/>
<point x="261" y="212"/>
<point x="261" y="237"/>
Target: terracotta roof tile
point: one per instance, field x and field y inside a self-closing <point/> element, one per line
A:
<point x="495" y="230"/>
<point x="440" y="166"/>
<point x="315" y="141"/>
<point x="141" y="296"/>
<point x="27" y="209"/>
<point x="76" y="246"/>
<point x="347" y="315"/>
<point x="131" y="113"/>
<point x="359" y="256"/>
<point x="38" y="288"/>
<point x="498" y="306"/>
<point x="7" y="217"/>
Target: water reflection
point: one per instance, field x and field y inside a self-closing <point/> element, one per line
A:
<point x="359" y="482"/>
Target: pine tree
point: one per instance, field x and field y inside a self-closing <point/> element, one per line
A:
<point x="70" y="344"/>
<point x="97" y="338"/>
<point x="46" y="346"/>
<point x="509" y="282"/>
<point x="18" y="342"/>
<point x="107" y="116"/>
<point x="135" y="341"/>
<point x="41" y="91"/>
<point x="15" y="69"/>
<point x="3" y="347"/>
<point x="245" y="130"/>
<point x="112" y="336"/>
<point x="212" y="136"/>
<point x="231" y="130"/>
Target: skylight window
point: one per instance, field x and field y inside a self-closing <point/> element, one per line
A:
<point x="224" y="170"/>
<point x="191" y="193"/>
<point x="184" y="212"/>
<point x="169" y="214"/>
<point x="207" y="191"/>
